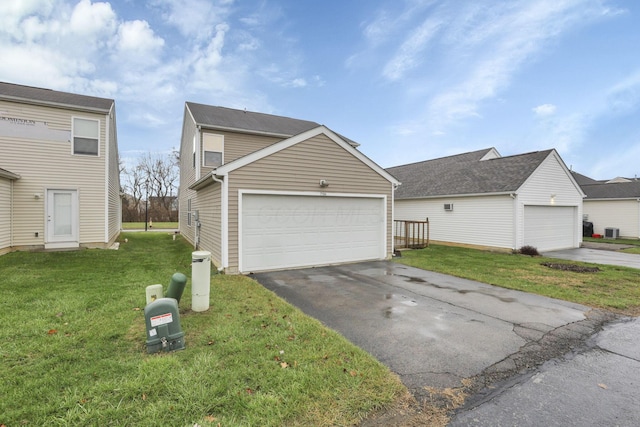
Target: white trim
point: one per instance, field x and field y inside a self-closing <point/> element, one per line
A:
<point x="75" y="220"/>
<point x="242" y="192"/>
<point x="224" y="224"/>
<point x="282" y="145"/>
<point x="106" y="178"/>
<point x="73" y="135"/>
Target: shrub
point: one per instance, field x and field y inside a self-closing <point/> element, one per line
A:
<point x="529" y="250"/>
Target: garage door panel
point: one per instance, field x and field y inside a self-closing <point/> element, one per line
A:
<point x="281" y="231"/>
<point x="550" y="227"/>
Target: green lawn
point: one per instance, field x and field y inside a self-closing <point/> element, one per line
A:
<point x="73" y="348"/>
<point x="612" y="288"/>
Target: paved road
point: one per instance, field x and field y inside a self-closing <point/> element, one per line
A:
<point x="433" y="329"/>
<point x="599" y="386"/>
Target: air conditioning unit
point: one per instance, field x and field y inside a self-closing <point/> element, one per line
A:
<point x="448" y="206"/>
<point x="611" y="233"/>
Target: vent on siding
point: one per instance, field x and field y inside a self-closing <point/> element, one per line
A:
<point x="448" y="206"/>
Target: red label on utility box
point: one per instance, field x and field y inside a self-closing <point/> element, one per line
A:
<point x="161" y="319"/>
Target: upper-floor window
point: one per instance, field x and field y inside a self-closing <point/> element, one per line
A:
<point x="213" y="149"/>
<point x="86" y="136"/>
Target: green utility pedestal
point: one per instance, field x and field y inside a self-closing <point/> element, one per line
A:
<point x="163" y="326"/>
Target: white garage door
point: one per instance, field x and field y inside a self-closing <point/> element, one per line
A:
<point x="284" y="231"/>
<point x="550" y="227"/>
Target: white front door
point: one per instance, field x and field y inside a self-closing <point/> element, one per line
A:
<point x="62" y="219"/>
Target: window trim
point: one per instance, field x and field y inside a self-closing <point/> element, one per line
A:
<point x="219" y="140"/>
<point x="73" y="136"/>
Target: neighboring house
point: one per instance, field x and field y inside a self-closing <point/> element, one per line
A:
<point x="485" y="200"/>
<point x="613" y="204"/>
<point x="59" y="176"/>
<point x="264" y="192"/>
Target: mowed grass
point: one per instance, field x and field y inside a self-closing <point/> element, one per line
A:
<point x="613" y="288"/>
<point x="73" y="348"/>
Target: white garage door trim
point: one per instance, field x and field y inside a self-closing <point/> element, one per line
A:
<point x="550" y="227"/>
<point x="368" y="226"/>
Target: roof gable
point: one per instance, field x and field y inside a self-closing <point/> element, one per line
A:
<point x="48" y="97"/>
<point x="466" y="173"/>
<point x="289" y="142"/>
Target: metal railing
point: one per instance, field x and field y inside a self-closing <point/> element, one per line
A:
<point x="410" y="234"/>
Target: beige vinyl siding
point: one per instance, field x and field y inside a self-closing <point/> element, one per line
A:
<point x="5" y="214"/>
<point x="550" y="179"/>
<point x="238" y="145"/>
<point x="621" y="214"/>
<point x="114" y="202"/>
<point x="209" y="198"/>
<point x="300" y="168"/>
<point x="46" y="164"/>
<point x="187" y="176"/>
<point x="479" y="220"/>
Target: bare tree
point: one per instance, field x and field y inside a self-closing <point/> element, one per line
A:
<point x="151" y="184"/>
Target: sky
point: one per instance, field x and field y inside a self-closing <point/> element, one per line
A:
<point x="409" y="80"/>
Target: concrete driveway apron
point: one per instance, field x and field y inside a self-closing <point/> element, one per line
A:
<point x="597" y="256"/>
<point x="429" y="328"/>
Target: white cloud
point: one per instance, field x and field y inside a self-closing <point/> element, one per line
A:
<point x="544" y="110"/>
<point x="624" y="96"/>
<point x="137" y="42"/>
<point x="505" y="37"/>
<point x="195" y="18"/>
<point x="410" y="53"/>
<point x="92" y="20"/>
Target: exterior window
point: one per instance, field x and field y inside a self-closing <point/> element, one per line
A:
<point x="189" y="212"/>
<point x="213" y="147"/>
<point x="86" y="136"/>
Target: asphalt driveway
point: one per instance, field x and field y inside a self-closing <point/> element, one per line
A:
<point x="433" y="329"/>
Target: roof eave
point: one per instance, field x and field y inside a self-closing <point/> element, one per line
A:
<point x="442" y="196"/>
<point x="57" y="104"/>
<point x="9" y="175"/>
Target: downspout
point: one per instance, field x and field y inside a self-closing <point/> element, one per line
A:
<point x="638" y="200"/>
<point x="223" y="222"/>
<point x="11" y="214"/>
<point x="514" y="196"/>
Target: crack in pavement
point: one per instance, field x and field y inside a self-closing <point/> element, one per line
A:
<point x="572" y="338"/>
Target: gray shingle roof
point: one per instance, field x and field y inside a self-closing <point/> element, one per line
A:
<point x="36" y="95"/>
<point x="618" y="190"/>
<point x="583" y="179"/>
<point x="240" y="120"/>
<point x="465" y="174"/>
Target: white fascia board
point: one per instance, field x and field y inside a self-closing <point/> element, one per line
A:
<point x="8" y="175"/>
<point x="451" y="196"/>
<point x="284" y="144"/>
<point x="568" y="172"/>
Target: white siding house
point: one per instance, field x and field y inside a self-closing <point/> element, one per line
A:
<point x="485" y="200"/>
<point x="61" y="150"/>
<point x="613" y="205"/>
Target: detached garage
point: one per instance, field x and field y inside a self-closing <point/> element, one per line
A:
<point x="276" y="201"/>
<point x="486" y="200"/>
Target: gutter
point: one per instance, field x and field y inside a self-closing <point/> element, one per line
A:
<point x="447" y="196"/>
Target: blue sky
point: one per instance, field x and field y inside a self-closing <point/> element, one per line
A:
<point x="409" y="80"/>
